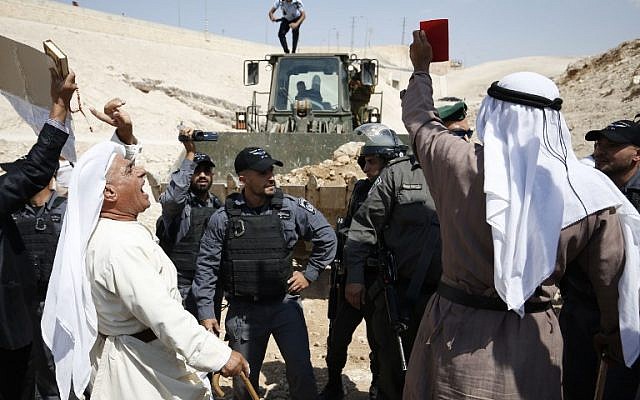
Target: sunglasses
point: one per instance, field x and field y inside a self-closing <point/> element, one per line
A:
<point x="461" y="132"/>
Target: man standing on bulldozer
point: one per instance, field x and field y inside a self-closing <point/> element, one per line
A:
<point x="292" y="17"/>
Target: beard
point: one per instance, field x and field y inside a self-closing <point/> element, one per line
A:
<point x="200" y="188"/>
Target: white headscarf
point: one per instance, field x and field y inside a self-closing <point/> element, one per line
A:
<point x="69" y="321"/>
<point x="534" y="187"/>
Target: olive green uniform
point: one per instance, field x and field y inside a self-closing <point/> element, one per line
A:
<point x="399" y="211"/>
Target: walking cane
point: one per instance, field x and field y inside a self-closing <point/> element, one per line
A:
<point x="602" y="378"/>
<point x="215" y="382"/>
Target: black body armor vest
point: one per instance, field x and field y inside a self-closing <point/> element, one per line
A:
<point x="255" y="262"/>
<point x="40" y="235"/>
<point x="184" y="254"/>
<point x="634" y="197"/>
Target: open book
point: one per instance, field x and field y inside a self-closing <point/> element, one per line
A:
<point x="58" y="57"/>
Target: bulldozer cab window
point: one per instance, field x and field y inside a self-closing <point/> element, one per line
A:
<point x="309" y="79"/>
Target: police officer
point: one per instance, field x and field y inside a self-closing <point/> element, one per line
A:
<point x="373" y="158"/>
<point x="454" y="117"/>
<point x="187" y="205"/>
<point x="246" y="251"/>
<point x="617" y="154"/>
<point x="398" y="217"/>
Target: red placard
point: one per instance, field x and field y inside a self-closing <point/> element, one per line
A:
<point x="437" y="31"/>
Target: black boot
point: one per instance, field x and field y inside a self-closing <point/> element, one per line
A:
<point x="333" y="390"/>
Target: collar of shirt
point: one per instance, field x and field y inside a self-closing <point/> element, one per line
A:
<point x="195" y="201"/>
<point x="633" y="184"/>
<point x="29" y="209"/>
<point x="244" y="207"/>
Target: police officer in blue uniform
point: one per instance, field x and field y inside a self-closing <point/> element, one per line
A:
<point x="246" y="251"/>
<point x="187" y="205"/>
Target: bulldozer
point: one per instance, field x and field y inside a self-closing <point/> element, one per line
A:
<point x="304" y="117"/>
<point x="307" y="112"/>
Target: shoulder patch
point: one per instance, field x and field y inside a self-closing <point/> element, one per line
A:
<point x="284" y="214"/>
<point x="306" y="205"/>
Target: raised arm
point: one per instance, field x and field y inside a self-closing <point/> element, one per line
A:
<point x="16" y="187"/>
<point x="176" y="195"/>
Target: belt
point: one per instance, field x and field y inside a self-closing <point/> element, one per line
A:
<point x="459" y="296"/>
<point x="146" y="336"/>
<point x="255" y="299"/>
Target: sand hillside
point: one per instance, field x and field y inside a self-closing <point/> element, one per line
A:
<point x="168" y="75"/>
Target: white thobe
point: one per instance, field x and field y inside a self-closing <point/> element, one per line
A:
<point x="134" y="287"/>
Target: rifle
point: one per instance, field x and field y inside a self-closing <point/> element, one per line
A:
<point x="336" y="291"/>
<point x="389" y="276"/>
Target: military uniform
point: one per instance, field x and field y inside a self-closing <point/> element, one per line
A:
<point x="180" y="227"/>
<point x="580" y="322"/>
<point x="247" y="252"/>
<point x="39" y="229"/>
<point x="400" y="212"/>
<point x="359" y="98"/>
<point x="348" y="318"/>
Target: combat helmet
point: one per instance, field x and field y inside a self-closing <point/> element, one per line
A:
<point x="381" y="141"/>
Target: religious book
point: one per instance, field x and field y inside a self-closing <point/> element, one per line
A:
<point x="58" y="57"/>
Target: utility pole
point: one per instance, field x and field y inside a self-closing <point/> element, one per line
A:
<point x="353" y="29"/>
<point x="337" y="40"/>
<point x="179" y="24"/>
<point x="206" y="22"/>
<point x="404" y="26"/>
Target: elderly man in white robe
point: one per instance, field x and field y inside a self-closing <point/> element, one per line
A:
<point x="113" y="314"/>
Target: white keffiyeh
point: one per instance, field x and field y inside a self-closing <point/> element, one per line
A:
<point x="534" y="187"/>
<point x="69" y="321"/>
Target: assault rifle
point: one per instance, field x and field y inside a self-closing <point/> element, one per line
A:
<point x="336" y="292"/>
<point x="389" y="276"/>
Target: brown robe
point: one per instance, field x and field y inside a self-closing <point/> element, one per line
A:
<point x="462" y="352"/>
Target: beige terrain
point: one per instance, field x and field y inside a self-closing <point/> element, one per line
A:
<point x="168" y="75"/>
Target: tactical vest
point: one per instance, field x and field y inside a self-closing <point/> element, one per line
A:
<point x="634" y="197"/>
<point x="255" y="262"/>
<point x="185" y="253"/>
<point x="40" y="235"/>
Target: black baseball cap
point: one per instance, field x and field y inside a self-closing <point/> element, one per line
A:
<point x="14" y="165"/>
<point x="255" y="158"/>
<point x="201" y="158"/>
<point x="623" y="132"/>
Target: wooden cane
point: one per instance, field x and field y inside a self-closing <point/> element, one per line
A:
<point x="247" y="383"/>
<point x="602" y="378"/>
<point x="215" y="383"/>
